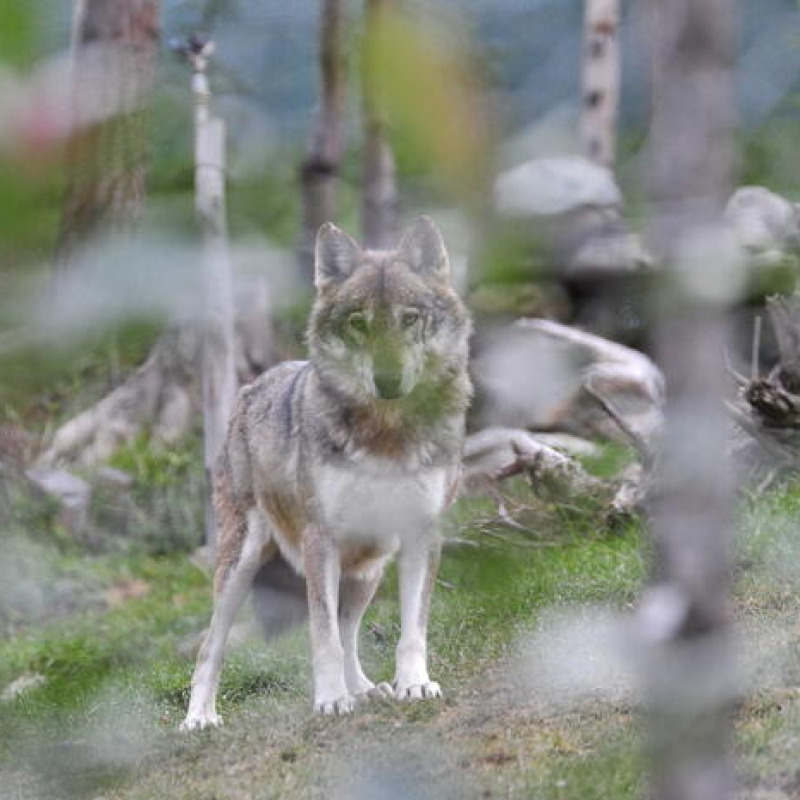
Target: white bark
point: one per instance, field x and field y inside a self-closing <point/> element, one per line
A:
<point x="601" y="80"/>
<point x="218" y="351"/>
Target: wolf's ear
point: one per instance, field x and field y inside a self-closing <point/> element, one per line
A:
<point x="422" y="248"/>
<point x="335" y="256"/>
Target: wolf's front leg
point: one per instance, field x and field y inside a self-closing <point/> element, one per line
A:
<point x="419" y="562"/>
<point x="356" y="593"/>
<point x="321" y="561"/>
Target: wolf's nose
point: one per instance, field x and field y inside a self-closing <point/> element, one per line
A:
<point x="388" y="386"/>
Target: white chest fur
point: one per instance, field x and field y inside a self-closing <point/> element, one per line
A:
<point x="375" y="499"/>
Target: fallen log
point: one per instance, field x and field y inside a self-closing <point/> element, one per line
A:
<point x="543" y="376"/>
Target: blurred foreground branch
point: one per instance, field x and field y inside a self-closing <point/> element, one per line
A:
<point x="684" y="616"/>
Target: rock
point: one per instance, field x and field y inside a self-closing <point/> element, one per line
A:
<point x="25" y="683"/>
<point x="114" y="478"/>
<point x="765" y="224"/>
<point x="553" y="186"/>
<point x="574" y="207"/>
<point x="72" y="493"/>
<point x="612" y="253"/>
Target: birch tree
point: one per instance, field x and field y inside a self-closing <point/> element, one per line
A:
<point x="601" y="80"/>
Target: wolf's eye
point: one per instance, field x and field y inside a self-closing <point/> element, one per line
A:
<point x="357" y="322"/>
<point x="409" y="319"/>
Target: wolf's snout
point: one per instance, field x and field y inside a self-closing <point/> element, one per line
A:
<point x="389" y="386"/>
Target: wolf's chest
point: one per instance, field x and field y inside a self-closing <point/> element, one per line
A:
<point x="376" y="499"/>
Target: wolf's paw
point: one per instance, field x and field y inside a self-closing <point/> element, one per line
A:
<point x="418" y="691"/>
<point x="380" y="692"/>
<point x="196" y="722"/>
<point x="345" y="704"/>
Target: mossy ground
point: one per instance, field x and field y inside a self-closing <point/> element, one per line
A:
<point x="104" y="723"/>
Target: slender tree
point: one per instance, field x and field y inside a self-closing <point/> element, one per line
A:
<point x="685" y="614"/>
<point x="319" y="173"/>
<point x="115" y="47"/>
<point x="601" y="80"/>
<point x="218" y="357"/>
<point x="379" y="191"/>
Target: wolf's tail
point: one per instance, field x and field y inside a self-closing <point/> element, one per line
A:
<point x="279" y="597"/>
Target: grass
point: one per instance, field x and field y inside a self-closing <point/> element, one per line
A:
<point x="104" y="722"/>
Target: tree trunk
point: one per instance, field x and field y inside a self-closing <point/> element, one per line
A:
<point x="319" y="174"/>
<point x="158" y="397"/>
<point x="380" y="209"/>
<point x="161" y="397"/>
<point x="684" y="616"/>
<point x="115" y="48"/>
<point x="601" y="80"/>
<point x="219" y="369"/>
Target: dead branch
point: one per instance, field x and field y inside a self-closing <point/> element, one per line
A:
<point x="496" y="454"/>
<point x="767" y="411"/>
<point x="541" y="375"/>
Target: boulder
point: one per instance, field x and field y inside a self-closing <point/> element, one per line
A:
<point x="73" y="495"/>
<point x="574" y="208"/>
<point x="766" y="225"/>
<point x="553" y="186"/>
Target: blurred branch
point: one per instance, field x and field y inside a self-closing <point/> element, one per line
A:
<point x="684" y="615"/>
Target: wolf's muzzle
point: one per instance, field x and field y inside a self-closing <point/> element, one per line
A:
<point x="389" y="386"/>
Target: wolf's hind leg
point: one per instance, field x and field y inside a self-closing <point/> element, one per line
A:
<point x="232" y="581"/>
<point x="355" y="595"/>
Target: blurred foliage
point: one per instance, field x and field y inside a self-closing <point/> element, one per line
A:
<point x="17" y="39"/>
<point x="163" y="512"/>
<point x="428" y="83"/>
<point x="43" y="383"/>
<point x="155" y="467"/>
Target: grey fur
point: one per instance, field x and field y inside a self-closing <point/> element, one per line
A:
<point x="386" y="381"/>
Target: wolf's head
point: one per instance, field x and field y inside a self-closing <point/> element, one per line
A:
<point x="387" y="325"/>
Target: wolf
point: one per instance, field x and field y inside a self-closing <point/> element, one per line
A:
<point x="333" y="465"/>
